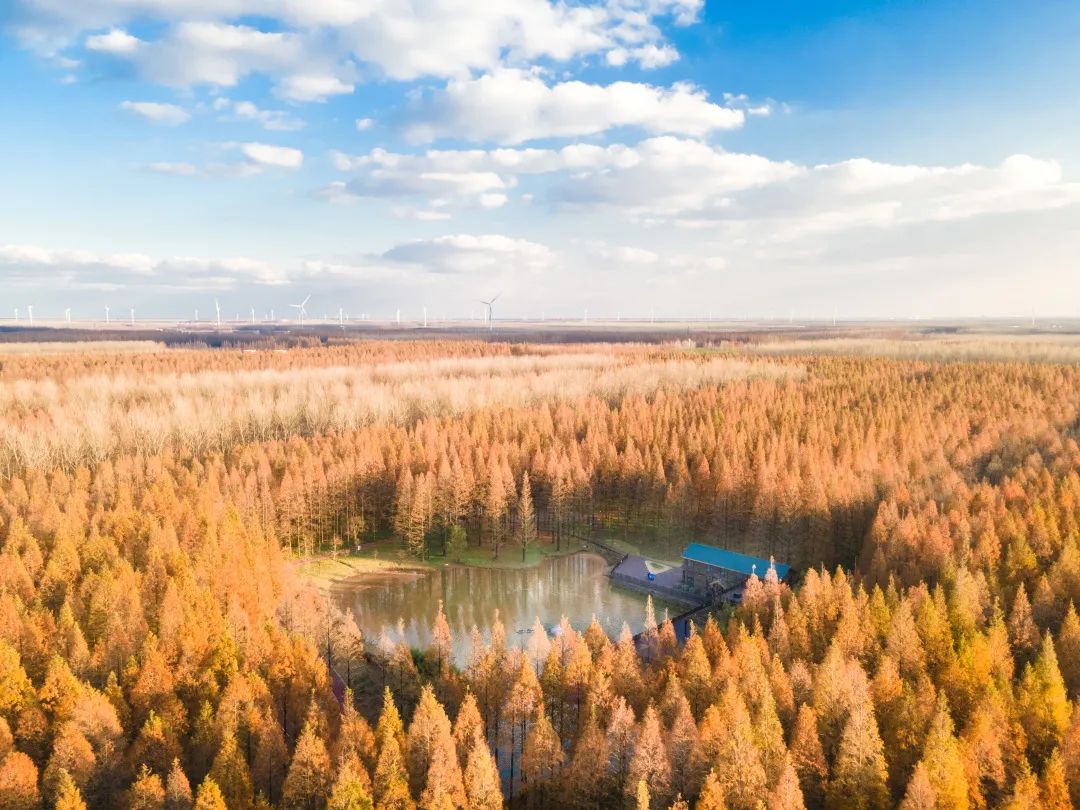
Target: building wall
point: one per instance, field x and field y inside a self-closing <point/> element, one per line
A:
<point x="699" y="575"/>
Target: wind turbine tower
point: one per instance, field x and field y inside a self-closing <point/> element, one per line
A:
<point x="106" y="313"/>
<point x="301" y="309"/>
<point x="30" y="314"/>
<point x="133" y="316"/>
<point x="217" y="309"/>
<point x="488" y="304"/>
<point x="67" y="314"/>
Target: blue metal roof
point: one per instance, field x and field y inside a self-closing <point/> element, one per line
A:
<point x="732" y="560"/>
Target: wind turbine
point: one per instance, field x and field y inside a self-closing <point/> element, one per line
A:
<point x="217" y="309"/>
<point x="133" y="316"/>
<point x="106" y="313"/>
<point x="67" y="314"/>
<point x="253" y="316"/>
<point x="488" y="305"/>
<point x="16" y="314"/>
<point x="301" y="311"/>
<point x="30" y="313"/>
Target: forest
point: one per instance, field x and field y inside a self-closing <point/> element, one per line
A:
<point x="160" y="646"/>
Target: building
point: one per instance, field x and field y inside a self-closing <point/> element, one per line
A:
<point x="708" y="569"/>
<point x="651" y="577"/>
<point x="708" y="574"/>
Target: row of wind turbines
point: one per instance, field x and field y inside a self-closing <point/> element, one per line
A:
<point x="301" y="313"/>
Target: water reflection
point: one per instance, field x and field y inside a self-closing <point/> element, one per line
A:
<point x="576" y="587"/>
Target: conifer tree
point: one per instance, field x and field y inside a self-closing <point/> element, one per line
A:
<point x="390" y="785"/>
<point x="390" y="722"/>
<point x="942" y="763"/>
<point x="542" y="758"/>
<point x="526" y="517"/>
<point x="230" y="773"/>
<point x="309" y="780"/>
<point x="209" y="797"/>
<point x="177" y="789"/>
<point x="808" y="758"/>
<point x="920" y="794"/>
<point x="68" y="796"/>
<point x="786" y="794"/>
<point x="1043" y="703"/>
<point x="467" y="725"/>
<point x="858" y="781"/>
<point x="147" y="792"/>
<point x="712" y="794"/>
<point x="349" y="791"/>
<point x="727" y="746"/>
<point x="482" y="777"/>
<point x="1053" y="786"/>
<point x="1023" y="634"/>
<point x="426" y="732"/>
<point x="650" y="764"/>
<point x="1068" y="650"/>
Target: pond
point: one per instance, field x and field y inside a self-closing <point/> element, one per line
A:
<point x="575" y="586"/>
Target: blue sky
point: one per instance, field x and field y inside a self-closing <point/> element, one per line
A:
<point x="629" y="156"/>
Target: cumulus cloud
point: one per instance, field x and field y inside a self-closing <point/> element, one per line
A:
<point x="218" y="54"/>
<point x="312" y="87"/>
<point x="308" y="50"/>
<point x="264" y="154"/>
<point x="464" y="253"/>
<point x="273" y="120"/>
<point x="489" y="255"/>
<point x="157" y="113"/>
<point x="657" y="174"/>
<point x="26" y="264"/>
<point x="511" y="106"/>
<point x="115" y="41"/>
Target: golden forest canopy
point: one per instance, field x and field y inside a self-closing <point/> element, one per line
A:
<point x="158" y="650"/>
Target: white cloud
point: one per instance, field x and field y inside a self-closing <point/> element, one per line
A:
<point x="194" y="53"/>
<point x="309" y="49"/>
<point x="25" y="264"/>
<point x="463" y="253"/>
<point x="178" y="169"/>
<point x="512" y="106"/>
<point x="671" y="177"/>
<point x="493" y="200"/>
<point x="116" y="41"/>
<point x="282" y="157"/>
<point x="364" y="124"/>
<point x="312" y="87"/>
<point x="156" y="112"/>
<point x="664" y="174"/>
<point x="273" y="120"/>
<point x="649" y="56"/>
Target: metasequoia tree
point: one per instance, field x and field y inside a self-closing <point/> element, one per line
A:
<point x="154" y="635"/>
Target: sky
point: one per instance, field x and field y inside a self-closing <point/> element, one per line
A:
<point x="676" y="158"/>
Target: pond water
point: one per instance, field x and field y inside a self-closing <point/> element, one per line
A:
<point x="574" y="586"/>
